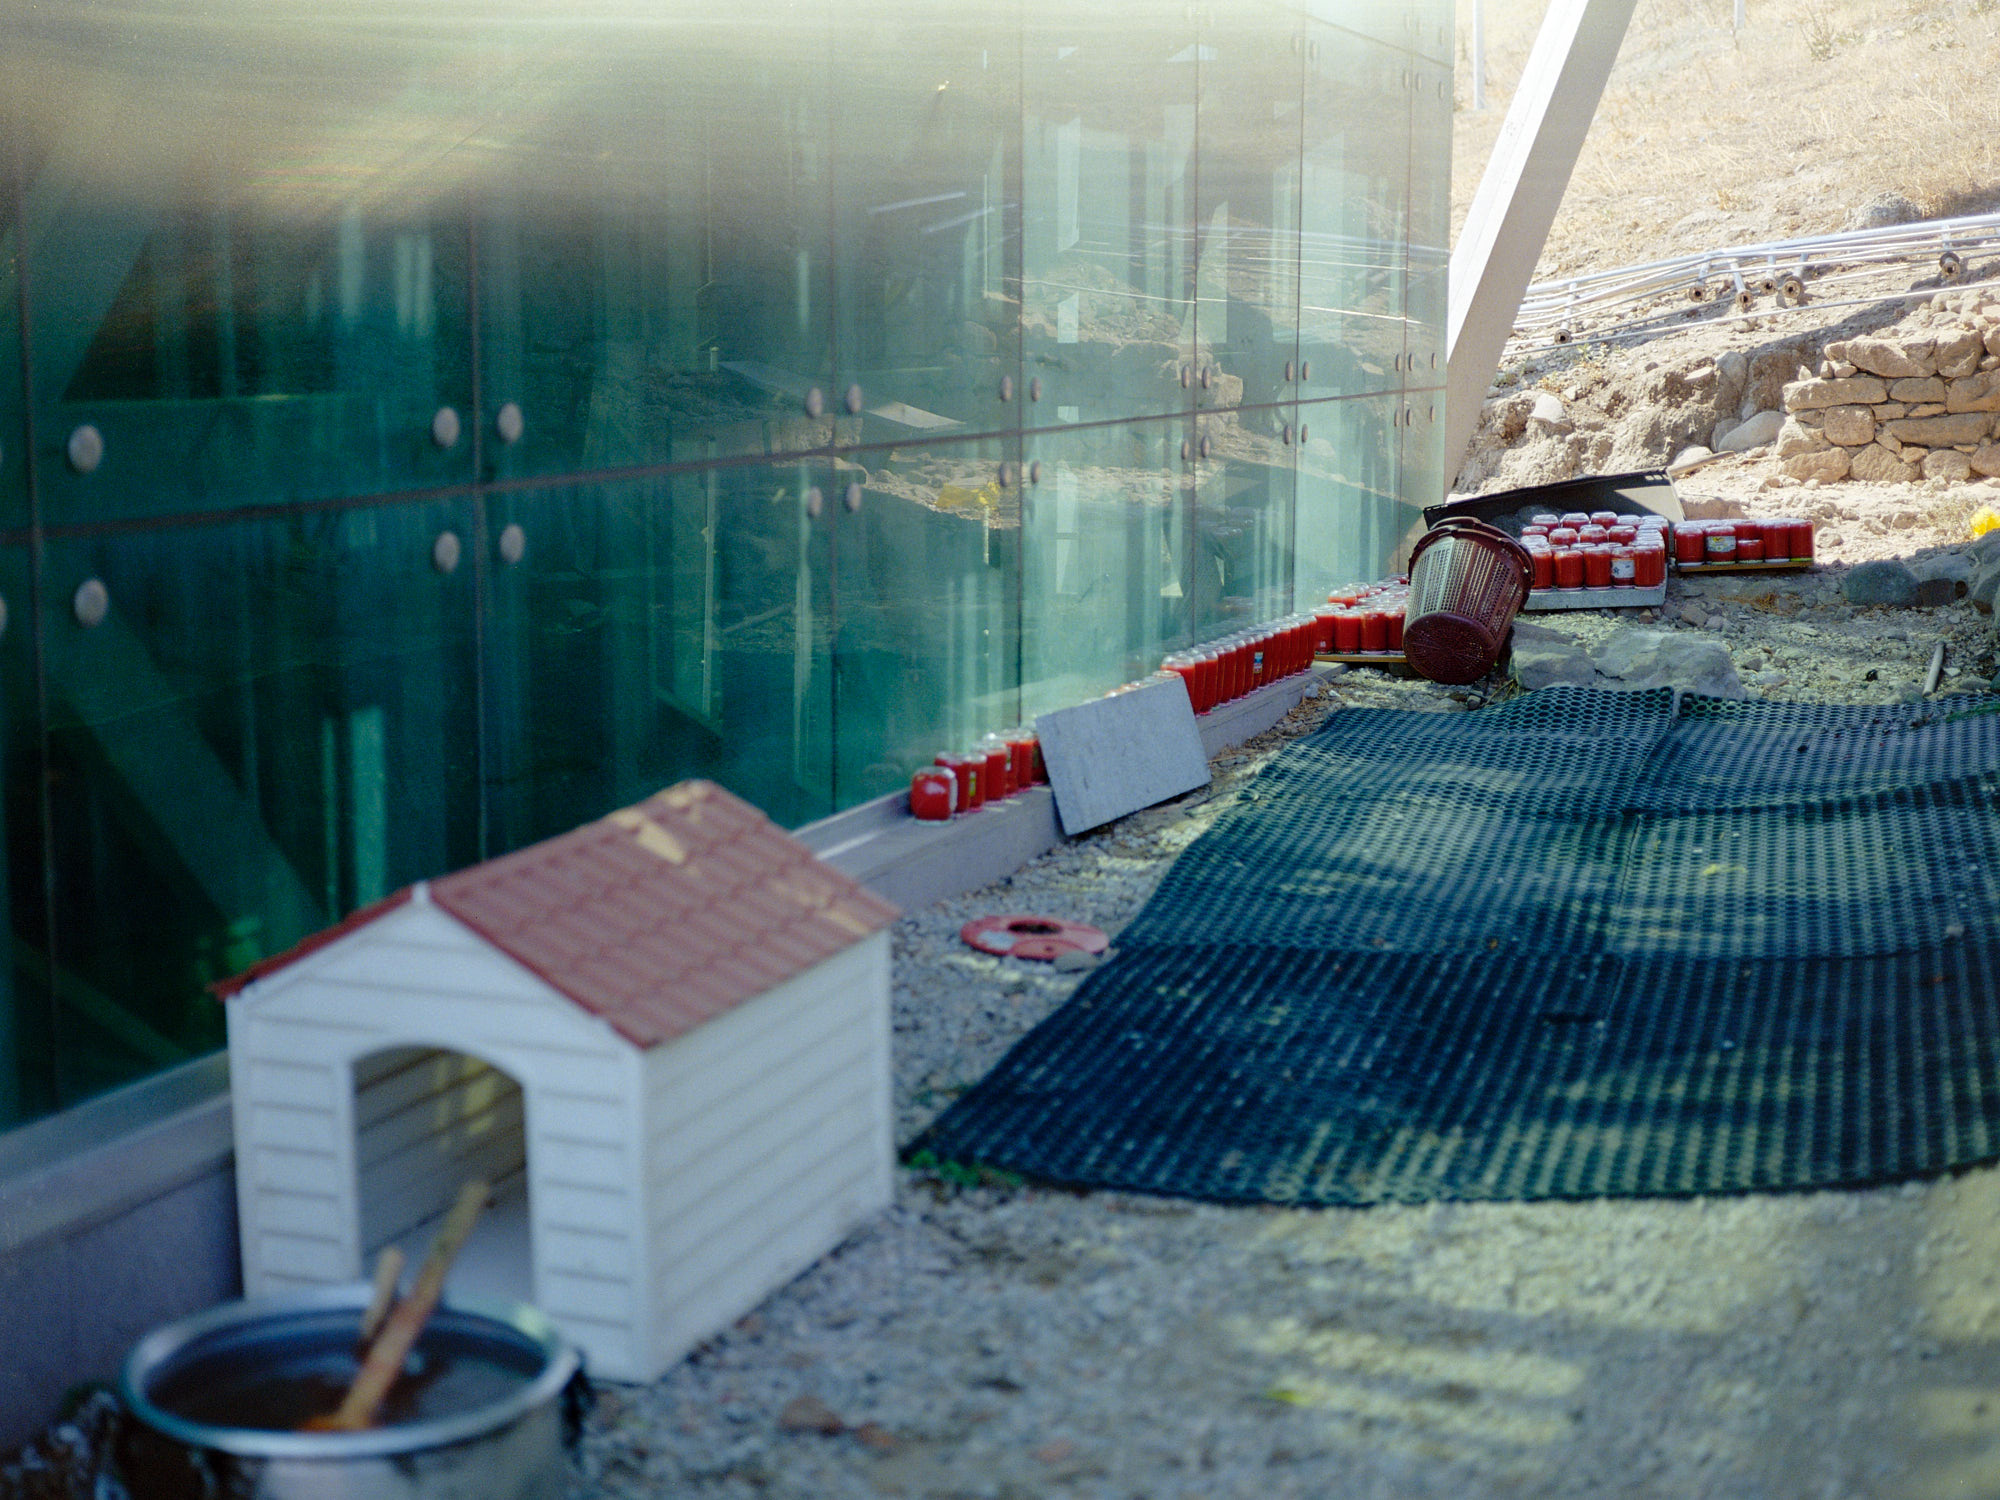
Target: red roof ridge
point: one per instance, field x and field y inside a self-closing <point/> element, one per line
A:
<point x="577" y="909"/>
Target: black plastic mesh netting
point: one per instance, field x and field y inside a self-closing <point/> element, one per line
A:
<point x="1579" y="944"/>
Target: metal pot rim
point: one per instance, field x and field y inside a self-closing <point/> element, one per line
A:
<point x="156" y="1349"/>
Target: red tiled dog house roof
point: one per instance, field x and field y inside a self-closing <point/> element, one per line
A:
<point x="657" y="918"/>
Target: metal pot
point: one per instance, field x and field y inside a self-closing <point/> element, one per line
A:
<point x="503" y="1388"/>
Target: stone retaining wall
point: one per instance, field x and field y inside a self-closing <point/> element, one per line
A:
<point x="1902" y="409"/>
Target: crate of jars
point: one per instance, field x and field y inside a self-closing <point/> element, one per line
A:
<point x="960" y="782"/>
<point x="1601" y="560"/>
<point x="1221" y="670"/>
<point x="1772" y="544"/>
<point x="1362" y="624"/>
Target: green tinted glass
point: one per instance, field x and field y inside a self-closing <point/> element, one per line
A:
<point x="927" y="553"/>
<point x="1107" y="208"/>
<point x="253" y="728"/>
<point x="646" y="631"/>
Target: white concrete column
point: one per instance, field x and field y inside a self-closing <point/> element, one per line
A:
<point x="1518" y="197"/>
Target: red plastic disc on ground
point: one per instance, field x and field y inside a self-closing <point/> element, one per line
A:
<point x="1033" y="937"/>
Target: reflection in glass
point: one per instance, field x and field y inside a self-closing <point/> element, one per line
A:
<point x="632" y="301"/>
<point x="271" y="724"/>
<point x="1107" y="222"/>
<point x="927" y="563"/>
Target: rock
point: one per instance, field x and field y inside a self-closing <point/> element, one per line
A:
<point x="1903" y="520"/>
<point x="1884" y="581"/>
<point x="1928" y="409"/>
<point x="1694" y="453"/>
<point x="1769" y="680"/>
<point x="1548" y="410"/>
<point x="1888" y="439"/>
<point x="1849" y="426"/>
<point x="1955" y="566"/>
<point x="1992" y="342"/>
<point x="1958" y="354"/>
<point x="1944" y="431"/>
<point x="1827" y="466"/>
<point x="1985" y="459"/>
<point x="1864" y="390"/>
<point x="1935" y="593"/>
<point x="1548" y="658"/>
<point x="1917" y="388"/>
<point x="1974" y="393"/>
<point x="1883" y="210"/>
<point x="1795" y="437"/>
<point x="809" y="1414"/>
<point x="1877" y="465"/>
<point x="1947" y="464"/>
<point x="1984" y="583"/>
<point x="1755" y="433"/>
<point x="1840" y="369"/>
<point x="1641" y="659"/>
<point x="1732" y="373"/>
<point x="1893" y="361"/>
<point x="1720" y="431"/>
<point x="1072" y="961"/>
<point x="877" y="1437"/>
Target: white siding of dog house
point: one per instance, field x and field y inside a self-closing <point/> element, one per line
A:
<point x="415" y="978"/>
<point x="768" y="1139"/>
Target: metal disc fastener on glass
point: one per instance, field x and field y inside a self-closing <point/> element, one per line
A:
<point x="852" y="400"/>
<point x="815" y="402"/>
<point x="815" y="502"/>
<point x="92" y="602"/>
<point x="513" y="543"/>
<point x="445" y="427"/>
<point x="85" y="449"/>
<point x="509" y="423"/>
<point x="852" y="499"/>
<point x="444" y="551"/>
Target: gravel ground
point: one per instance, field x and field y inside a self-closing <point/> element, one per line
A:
<point x="998" y="1340"/>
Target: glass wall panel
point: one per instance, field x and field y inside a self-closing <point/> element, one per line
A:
<point x="253" y="728"/>
<point x="644" y="631"/>
<point x="1351" y="511"/>
<point x="1422" y="27"/>
<point x="1244" y="501"/>
<point x="1430" y="224"/>
<point x="1108" y="201"/>
<point x="13" y="411"/>
<point x="1115" y="570"/>
<point x="655" y="274"/>
<point x="249" y="287"/>
<point x="927" y="216"/>
<point x="1355" y="206"/>
<point x="927" y="576"/>
<point x="27" y="1079"/>
<point x="1423" y="480"/>
<point x="1247" y="208"/>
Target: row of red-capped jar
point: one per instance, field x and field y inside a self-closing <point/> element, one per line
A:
<point x="1768" y="539"/>
<point x="1599" y="565"/>
<point x="1221" y="670"/>
<point x="1363" y="619"/>
<point x="963" y="782"/>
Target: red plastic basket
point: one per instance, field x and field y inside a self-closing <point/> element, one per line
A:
<point x="1467" y="580"/>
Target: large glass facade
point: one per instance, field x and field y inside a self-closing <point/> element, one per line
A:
<point x="423" y="430"/>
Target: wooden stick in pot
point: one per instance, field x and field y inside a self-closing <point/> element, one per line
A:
<point x="399" y="1334"/>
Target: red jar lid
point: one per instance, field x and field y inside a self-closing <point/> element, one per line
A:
<point x="1592" y="533"/>
<point x="1575" y="518"/>
<point x="1604" y="518"/>
<point x="1563" y="536"/>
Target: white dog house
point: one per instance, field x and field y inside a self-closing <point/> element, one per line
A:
<point x="665" y="1035"/>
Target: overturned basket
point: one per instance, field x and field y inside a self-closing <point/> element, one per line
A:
<point x="1467" y="581"/>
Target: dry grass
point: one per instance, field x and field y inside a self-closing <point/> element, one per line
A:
<point x="1706" y="138"/>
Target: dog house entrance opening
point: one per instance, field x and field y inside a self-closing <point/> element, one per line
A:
<point x="427" y="1120"/>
